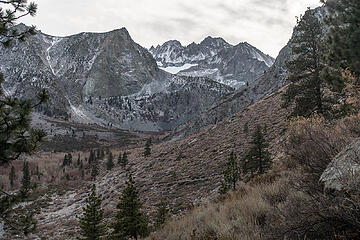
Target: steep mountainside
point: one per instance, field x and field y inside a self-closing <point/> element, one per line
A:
<point x="213" y="58"/>
<point x="273" y="79"/>
<point x="183" y="173"/>
<point x="104" y="78"/>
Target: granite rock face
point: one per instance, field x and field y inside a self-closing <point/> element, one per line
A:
<point x="271" y="80"/>
<point x="214" y="58"/>
<point x="343" y="173"/>
<point x="104" y="78"/>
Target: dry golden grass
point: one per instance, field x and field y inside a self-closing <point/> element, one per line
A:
<point x="241" y="216"/>
<point x="271" y="202"/>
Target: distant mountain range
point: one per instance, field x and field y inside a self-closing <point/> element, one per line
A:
<point x="108" y="79"/>
<point x="213" y="58"/>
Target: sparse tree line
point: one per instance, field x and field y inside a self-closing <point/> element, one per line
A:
<point x="318" y="79"/>
<point x="256" y="161"/>
<point x="129" y="221"/>
<point x="91" y="163"/>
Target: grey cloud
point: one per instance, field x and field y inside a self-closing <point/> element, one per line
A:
<point x="152" y="23"/>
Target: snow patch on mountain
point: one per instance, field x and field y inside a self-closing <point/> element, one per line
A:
<point x="175" y="70"/>
<point x="268" y="61"/>
<point x="213" y="58"/>
<point x="52" y="41"/>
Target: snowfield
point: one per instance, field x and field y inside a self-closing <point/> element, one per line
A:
<point x="175" y="70"/>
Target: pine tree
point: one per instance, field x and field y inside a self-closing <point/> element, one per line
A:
<point x="161" y="215"/>
<point x="12" y="176"/>
<point x="91" y="156"/>
<point x="231" y="174"/>
<point x="110" y="162"/>
<point x="26" y="179"/>
<point x="91" y="222"/>
<point x="306" y="87"/>
<point x="69" y="159"/>
<point x="94" y="169"/>
<point x="78" y="160"/>
<point x="38" y="174"/>
<point x="98" y="154"/>
<point x="124" y="160"/>
<point x="257" y="160"/>
<point x="179" y="156"/>
<point x="343" y="55"/>
<point x="119" y="159"/>
<point x="8" y="18"/>
<point x="343" y="41"/>
<point x="102" y="154"/>
<point x="17" y="137"/>
<point x="147" y="151"/>
<point x="65" y="161"/>
<point x="130" y="221"/>
<point x="246" y="128"/>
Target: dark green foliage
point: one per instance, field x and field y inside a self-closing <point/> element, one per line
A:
<point x="67" y="160"/>
<point x="26" y="180"/>
<point x="92" y="157"/>
<point x="123" y="161"/>
<point x="16" y="135"/>
<point x="343" y="50"/>
<point x="343" y="40"/>
<point x="20" y="221"/>
<point x="119" y="159"/>
<point x="78" y="160"/>
<point x="110" y="161"/>
<point x="9" y="16"/>
<point x="130" y="221"/>
<point x="67" y="176"/>
<point x="91" y="222"/>
<point x="94" y="169"/>
<point x="38" y="173"/>
<point x="179" y="156"/>
<point x="98" y="154"/>
<point x="12" y="176"/>
<point x="147" y="150"/>
<point x="258" y="159"/>
<point x="161" y="215"/>
<point x="231" y="174"/>
<point x="246" y="128"/>
<point x="102" y="153"/>
<point x="306" y="87"/>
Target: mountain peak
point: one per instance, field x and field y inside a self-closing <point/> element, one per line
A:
<point x="122" y="30"/>
<point x="217" y="41"/>
<point x="174" y="43"/>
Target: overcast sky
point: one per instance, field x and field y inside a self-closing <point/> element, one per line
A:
<point x="266" y="24"/>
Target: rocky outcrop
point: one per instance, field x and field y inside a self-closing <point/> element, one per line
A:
<point x="343" y="173"/>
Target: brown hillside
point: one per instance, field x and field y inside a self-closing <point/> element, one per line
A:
<point x="183" y="172"/>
